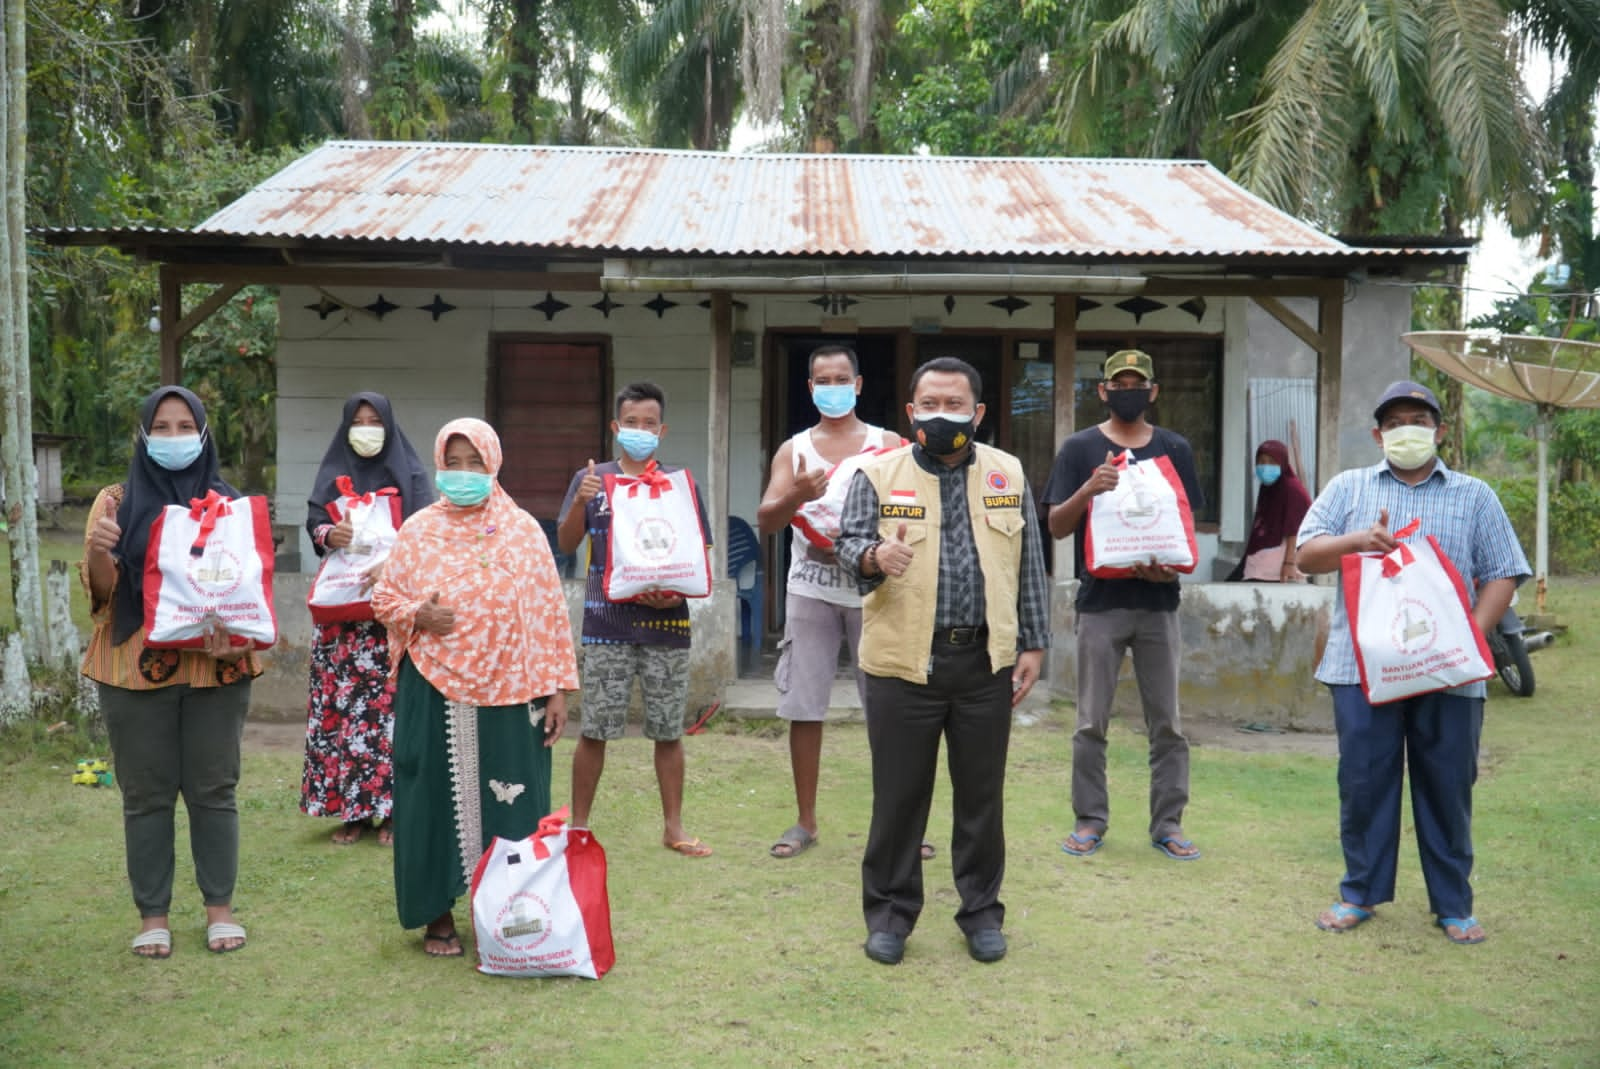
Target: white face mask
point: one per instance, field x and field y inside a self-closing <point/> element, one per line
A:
<point x="367" y="441"/>
<point x="1409" y="448"/>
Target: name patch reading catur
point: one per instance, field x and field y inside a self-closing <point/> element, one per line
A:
<point x="1002" y="501"/>
<point x="902" y="512"/>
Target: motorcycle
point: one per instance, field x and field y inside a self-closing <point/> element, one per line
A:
<point x="1510" y="643"/>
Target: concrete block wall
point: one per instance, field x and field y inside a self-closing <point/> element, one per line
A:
<point x="1249" y="651"/>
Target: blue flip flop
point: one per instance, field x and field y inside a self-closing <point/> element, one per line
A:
<point x="1089" y="844"/>
<point x="1342" y="912"/>
<point x="1161" y="844"/>
<point x="1464" y="923"/>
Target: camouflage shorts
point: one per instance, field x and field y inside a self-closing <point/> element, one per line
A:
<point x="608" y="674"/>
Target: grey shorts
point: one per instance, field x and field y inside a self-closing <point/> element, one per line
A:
<point x="808" y="660"/>
<point x="608" y="674"/>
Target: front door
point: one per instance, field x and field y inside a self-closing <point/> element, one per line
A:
<point x="547" y="401"/>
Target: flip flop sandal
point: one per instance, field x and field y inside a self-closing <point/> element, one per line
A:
<point x="689" y="848"/>
<point x="1466" y="924"/>
<point x="1166" y="845"/>
<point x="1085" y="845"/>
<point x="792" y="843"/>
<point x="1341" y="913"/>
<point x="451" y="941"/>
<point x="155" y="937"/>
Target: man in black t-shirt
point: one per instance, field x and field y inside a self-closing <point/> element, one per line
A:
<point x="1116" y="615"/>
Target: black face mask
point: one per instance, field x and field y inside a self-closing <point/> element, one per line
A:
<point x="941" y="435"/>
<point x="1128" y="405"/>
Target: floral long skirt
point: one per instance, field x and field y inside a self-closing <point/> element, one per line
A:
<point x="349" y="771"/>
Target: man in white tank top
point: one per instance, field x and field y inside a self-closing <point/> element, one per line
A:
<point x="810" y="475"/>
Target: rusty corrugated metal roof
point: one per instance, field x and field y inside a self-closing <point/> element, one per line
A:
<point x="665" y="202"/>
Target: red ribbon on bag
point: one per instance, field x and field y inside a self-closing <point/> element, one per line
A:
<point x="651" y="477"/>
<point x="548" y="826"/>
<point x="1401" y="555"/>
<point x="208" y="510"/>
<point x="347" y="491"/>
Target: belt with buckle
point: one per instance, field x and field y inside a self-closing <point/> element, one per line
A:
<point x="960" y="636"/>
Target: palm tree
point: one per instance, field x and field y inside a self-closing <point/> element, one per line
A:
<point x="1569" y="30"/>
<point x="1407" y="115"/>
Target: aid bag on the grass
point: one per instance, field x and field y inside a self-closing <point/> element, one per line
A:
<point x="539" y="905"/>
<point x="1411" y="620"/>
<point x="656" y="542"/>
<point x="1146" y="518"/>
<point x="210" y="564"/>
<point x="342" y="591"/>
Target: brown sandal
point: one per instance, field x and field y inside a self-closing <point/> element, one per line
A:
<point x="451" y="941"/>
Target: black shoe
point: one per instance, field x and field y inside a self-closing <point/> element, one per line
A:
<point x="886" y="948"/>
<point x="986" y="945"/>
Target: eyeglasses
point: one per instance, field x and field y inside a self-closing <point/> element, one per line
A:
<point x="1118" y="387"/>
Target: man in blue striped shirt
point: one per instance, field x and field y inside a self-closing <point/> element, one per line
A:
<point x="1436" y="734"/>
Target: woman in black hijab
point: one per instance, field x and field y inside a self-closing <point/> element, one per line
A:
<point x="349" y="773"/>
<point x="175" y="717"/>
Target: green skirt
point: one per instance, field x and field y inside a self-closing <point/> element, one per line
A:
<point x="462" y="775"/>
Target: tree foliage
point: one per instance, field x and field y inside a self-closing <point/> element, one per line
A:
<point x="1400" y="116"/>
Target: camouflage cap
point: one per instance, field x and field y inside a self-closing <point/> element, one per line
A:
<point x="1134" y="360"/>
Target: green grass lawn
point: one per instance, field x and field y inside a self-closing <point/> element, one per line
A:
<point x="1123" y="959"/>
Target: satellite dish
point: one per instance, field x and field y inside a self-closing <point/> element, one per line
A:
<point x="1550" y="373"/>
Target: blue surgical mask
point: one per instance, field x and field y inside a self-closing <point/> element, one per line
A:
<point x="639" y="445"/>
<point x="835" y="400"/>
<point x="464" y="488"/>
<point x="176" y="452"/>
<point x="1268" y="473"/>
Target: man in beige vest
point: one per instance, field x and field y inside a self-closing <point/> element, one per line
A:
<point x="942" y="538"/>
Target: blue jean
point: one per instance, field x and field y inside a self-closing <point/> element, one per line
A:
<point x="1436" y="737"/>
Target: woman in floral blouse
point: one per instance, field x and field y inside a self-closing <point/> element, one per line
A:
<point x="482" y="644"/>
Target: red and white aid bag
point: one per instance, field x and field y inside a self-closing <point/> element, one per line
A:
<point x="539" y="905"/>
<point x="1411" y="620"/>
<point x="342" y="591"/>
<point x="1147" y="517"/>
<point x="210" y="564"/>
<point x="818" y="521"/>
<point x="656" y="542"/>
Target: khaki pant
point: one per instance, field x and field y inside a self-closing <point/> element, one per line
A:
<point x="1103" y="639"/>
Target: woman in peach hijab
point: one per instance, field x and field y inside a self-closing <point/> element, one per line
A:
<point x="481" y="643"/>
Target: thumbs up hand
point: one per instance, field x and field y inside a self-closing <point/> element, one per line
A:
<point x="106" y="533"/>
<point x="589" y="486"/>
<point x="343" y="533"/>
<point x="811" y="483"/>
<point x="1105" y="476"/>
<point x="1378" y="538"/>
<point x="432" y="616"/>
<point x="894" y="555"/>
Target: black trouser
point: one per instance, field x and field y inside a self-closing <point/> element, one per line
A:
<point x="970" y="706"/>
